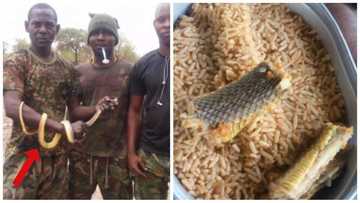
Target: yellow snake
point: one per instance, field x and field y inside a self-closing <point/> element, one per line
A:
<point x="68" y="130"/>
<point x="41" y="130"/>
<point x="42" y="141"/>
<point x="22" y="123"/>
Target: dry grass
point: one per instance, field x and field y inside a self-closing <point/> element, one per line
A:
<point x="219" y="43"/>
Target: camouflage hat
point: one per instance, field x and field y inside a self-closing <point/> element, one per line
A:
<point x="103" y="21"/>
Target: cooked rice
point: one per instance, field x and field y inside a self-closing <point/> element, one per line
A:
<point x="219" y="43"/>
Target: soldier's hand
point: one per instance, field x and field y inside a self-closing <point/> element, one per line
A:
<point x="78" y="128"/>
<point x="135" y="166"/>
<point x="113" y="102"/>
<point x="107" y="103"/>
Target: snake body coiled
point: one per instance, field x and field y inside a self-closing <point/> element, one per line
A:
<point x="57" y="137"/>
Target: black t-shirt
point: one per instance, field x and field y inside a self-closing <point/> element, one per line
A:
<point x="146" y="79"/>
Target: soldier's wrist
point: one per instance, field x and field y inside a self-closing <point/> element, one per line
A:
<point x="59" y="128"/>
<point x="55" y="126"/>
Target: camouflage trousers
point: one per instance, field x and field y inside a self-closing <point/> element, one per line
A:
<point x="46" y="179"/>
<point x="110" y="173"/>
<point x="155" y="184"/>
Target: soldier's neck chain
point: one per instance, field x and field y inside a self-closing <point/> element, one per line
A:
<point x="166" y="70"/>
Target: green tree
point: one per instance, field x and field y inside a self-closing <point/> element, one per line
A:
<point x="126" y="50"/>
<point x="71" y="43"/>
<point x="20" y="44"/>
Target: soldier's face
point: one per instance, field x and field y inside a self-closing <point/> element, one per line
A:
<point x="42" y="27"/>
<point x="162" y="24"/>
<point x="102" y="38"/>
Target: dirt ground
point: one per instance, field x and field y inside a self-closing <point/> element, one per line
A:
<point x="7" y="132"/>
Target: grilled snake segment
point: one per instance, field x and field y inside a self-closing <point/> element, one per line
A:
<point x="228" y="110"/>
<point x="306" y="174"/>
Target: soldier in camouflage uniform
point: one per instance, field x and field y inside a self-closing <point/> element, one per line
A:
<point x="44" y="81"/>
<point x="150" y="92"/>
<point x="101" y="158"/>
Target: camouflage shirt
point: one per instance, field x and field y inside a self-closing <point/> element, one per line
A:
<point x="106" y="136"/>
<point x="45" y="86"/>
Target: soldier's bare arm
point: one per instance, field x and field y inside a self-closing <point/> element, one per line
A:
<point x="132" y="133"/>
<point x="12" y="101"/>
<point x="78" y="112"/>
<point x="84" y="113"/>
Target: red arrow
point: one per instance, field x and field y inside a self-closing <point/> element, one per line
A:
<point x="32" y="155"/>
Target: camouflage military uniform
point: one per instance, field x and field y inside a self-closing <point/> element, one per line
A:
<point x="45" y="87"/>
<point x="155" y="184"/>
<point x="101" y="159"/>
<point x="110" y="173"/>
